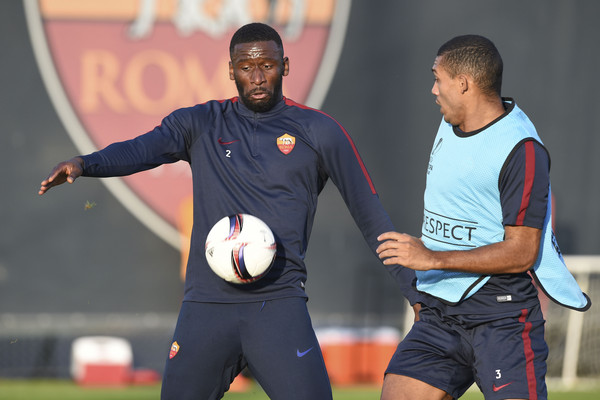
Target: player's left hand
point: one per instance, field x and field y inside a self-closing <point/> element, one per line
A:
<point x="404" y="250"/>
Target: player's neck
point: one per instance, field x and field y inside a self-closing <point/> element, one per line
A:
<point x="481" y="113"/>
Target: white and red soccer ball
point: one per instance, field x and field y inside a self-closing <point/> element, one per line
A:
<point x="240" y="248"/>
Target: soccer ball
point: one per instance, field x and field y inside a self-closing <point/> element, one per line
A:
<point x="240" y="248"/>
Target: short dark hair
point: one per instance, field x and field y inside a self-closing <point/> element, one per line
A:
<point x="255" y="32"/>
<point x="476" y="56"/>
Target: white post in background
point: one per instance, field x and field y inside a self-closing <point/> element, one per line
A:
<point x="580" y="266"/>
<point x="409" y="319"/>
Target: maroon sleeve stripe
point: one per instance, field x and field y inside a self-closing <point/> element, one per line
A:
<point x="360" y="161"/>
<point x="528" y="183"/>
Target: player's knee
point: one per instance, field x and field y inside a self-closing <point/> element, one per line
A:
<point x="399" y="387"/>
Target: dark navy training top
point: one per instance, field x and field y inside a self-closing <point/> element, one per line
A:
<point x="272" y="165"/>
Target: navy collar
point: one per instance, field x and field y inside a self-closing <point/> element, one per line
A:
<point x="241" y="109"/>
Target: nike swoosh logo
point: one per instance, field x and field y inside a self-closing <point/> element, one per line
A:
<point x="225" y="143"/>
<point x="497" y="388"/>
<point x="302" y="353"/>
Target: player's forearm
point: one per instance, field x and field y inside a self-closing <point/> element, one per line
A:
<point x="123" y="158"/>
<point x="508" y="256"/>
<point x="517" y="253"/>
<point x="100" y="166"/>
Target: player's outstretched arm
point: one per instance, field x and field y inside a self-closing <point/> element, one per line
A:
<point x="515" y="254"/>
<point x="66" y="171"/>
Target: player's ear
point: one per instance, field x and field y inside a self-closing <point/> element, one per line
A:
<point x="231" y="76"/>
<point x="286" y="66"/>
<point x="463" y="82"/>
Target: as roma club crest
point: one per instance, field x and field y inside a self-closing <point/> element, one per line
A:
<point x="115" y="68"/>
<point x="286" y="143"/>
<point x="174" y="350"/>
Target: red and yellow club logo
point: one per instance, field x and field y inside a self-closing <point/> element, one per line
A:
<point x="114" y="68"/>
<point x="174" y="350"/>
<point x="286" y="143"/>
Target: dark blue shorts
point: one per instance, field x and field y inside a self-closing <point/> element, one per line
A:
<point x="505" y="354"/>
<point x="213" y="342"/>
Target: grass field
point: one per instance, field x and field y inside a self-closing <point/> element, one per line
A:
<point x="66" y="390"/>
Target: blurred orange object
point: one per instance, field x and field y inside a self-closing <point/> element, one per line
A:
<point x="240" y="384"/>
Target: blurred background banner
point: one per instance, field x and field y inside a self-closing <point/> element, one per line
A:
<point x="99" y="259"/>
<point x="115" y="68"/>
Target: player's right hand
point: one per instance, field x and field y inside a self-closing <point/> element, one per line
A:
<point x="66" y="171"/>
